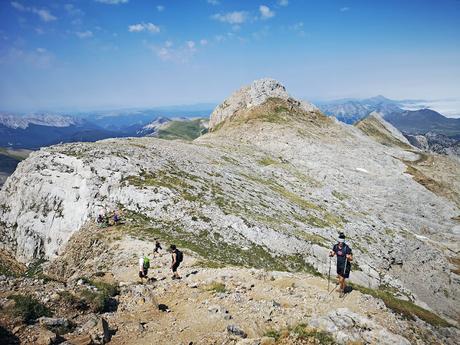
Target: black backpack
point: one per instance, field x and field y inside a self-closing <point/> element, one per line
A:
<point x="179" y="255"/>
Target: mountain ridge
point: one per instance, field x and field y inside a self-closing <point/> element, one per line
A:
<point x="257" y="191"/>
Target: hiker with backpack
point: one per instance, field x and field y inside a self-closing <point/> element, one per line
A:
<point x="344" y="258"/>
<point x="177" y="257"/>
<point x="144" y="265"/>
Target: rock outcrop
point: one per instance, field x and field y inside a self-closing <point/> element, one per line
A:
<point x="436" y="143"/>
<point x="251" y="96"/>
<point x="270" y="192"/>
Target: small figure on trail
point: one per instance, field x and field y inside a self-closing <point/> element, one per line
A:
<point x="157" y="246"/>
<point x="177" y="257"/>
<point x="344" y="258"/>
<point x="116" y="218"/>
<point x="144" y="265"/>
<point x="100" y="219"/>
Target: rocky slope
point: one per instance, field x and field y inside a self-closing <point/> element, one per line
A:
<point x="436" y="143"/>
<point x="226" y="305"/>
<point x="269" y="187"/>
<point x="383" y="132"/>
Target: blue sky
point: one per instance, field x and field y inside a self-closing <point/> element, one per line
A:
<point x="91" y="54"/>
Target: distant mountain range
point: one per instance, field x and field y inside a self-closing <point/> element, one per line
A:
<point x="423" y="121"/>
<point x="412" y="122"/>
<point x="38" y="130"/>
<point x="352" y="110"/>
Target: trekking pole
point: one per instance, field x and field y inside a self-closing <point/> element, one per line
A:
<point x="329" y="274"/>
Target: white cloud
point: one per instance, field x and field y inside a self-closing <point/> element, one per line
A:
<point x="18" y="6"/>
<point x="213" y="2"/>
<point x="179" y="54"/>
<point x="84" y="34"/>
<point x="160" y="8"/>
<point x="38" y="58"/>
<point x="150" y="27"/>
<point x="203" y="42"/>
<point x="266" y="12"/>
<point x="283" y="2"/>
<point x="344" y="9"/>
<point x="112" y="2"/>
<point x="73" y="11"/>
<point x="298" y="27"/>
<point x="236" y="17"/>
<point x="44" y="14"/>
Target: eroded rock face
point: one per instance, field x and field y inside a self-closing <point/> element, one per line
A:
<point x="347" y="327"/>
<point x="251" y="96"/>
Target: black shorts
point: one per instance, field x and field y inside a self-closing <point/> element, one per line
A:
<point x="341" y="269"/>
<point x="175" y="266"/>
<point x="143" y="273"/>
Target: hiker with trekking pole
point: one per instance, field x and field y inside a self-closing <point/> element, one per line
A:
<point x="344" y="259"/>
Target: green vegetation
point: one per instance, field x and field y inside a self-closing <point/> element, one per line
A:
<point x="375" y="129"/>
<point x="301" y="333"/>
<point x="35" y="270"/>
<point x="213" y="248"/>
<point x="171" y="179"/>
<point x="304" y="332"/>
<point x="68" y="298"/>
<point x="273" y="334"/>
<point x="327" y="219"/>
<point x="216" y="287"/>
<point x="404" y="308"/>
<point x="187" y="130"/>
<point x="312" y="238"/>
<point x="98" y="301"/>
<point x="267" y="161"/>
<point x="28" y="308"/>
<point x="339" y="195"/>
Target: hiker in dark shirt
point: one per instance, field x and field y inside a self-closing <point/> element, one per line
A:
<point x="177" y="257"/>
<point x="157" y="247"/>
<point x="344" y="258"/>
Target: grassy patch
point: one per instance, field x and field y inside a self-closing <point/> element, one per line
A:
<point x="267" y="161"/>
<point x="404" y="308"/>
<point x="171" y="179"/>
<point x="28" y="308"/>
<point x="213" y="248"/>
<point x="372" y="127"/>
<point x="99" y="301"/>
<point x="216" y="287"/>
<point x="272" y="333"/>
<point x="35" y="270"/>
<point x="301" y="334"/>
<point x="304" y="332"/>
<point x="340" y="196"/>
<point x="312" y="238"/>
<point x="187" y="130"/>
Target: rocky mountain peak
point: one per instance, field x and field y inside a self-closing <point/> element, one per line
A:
<point x="251" y="96"/>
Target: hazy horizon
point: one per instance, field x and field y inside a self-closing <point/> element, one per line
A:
<point x="101" y="54"/>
